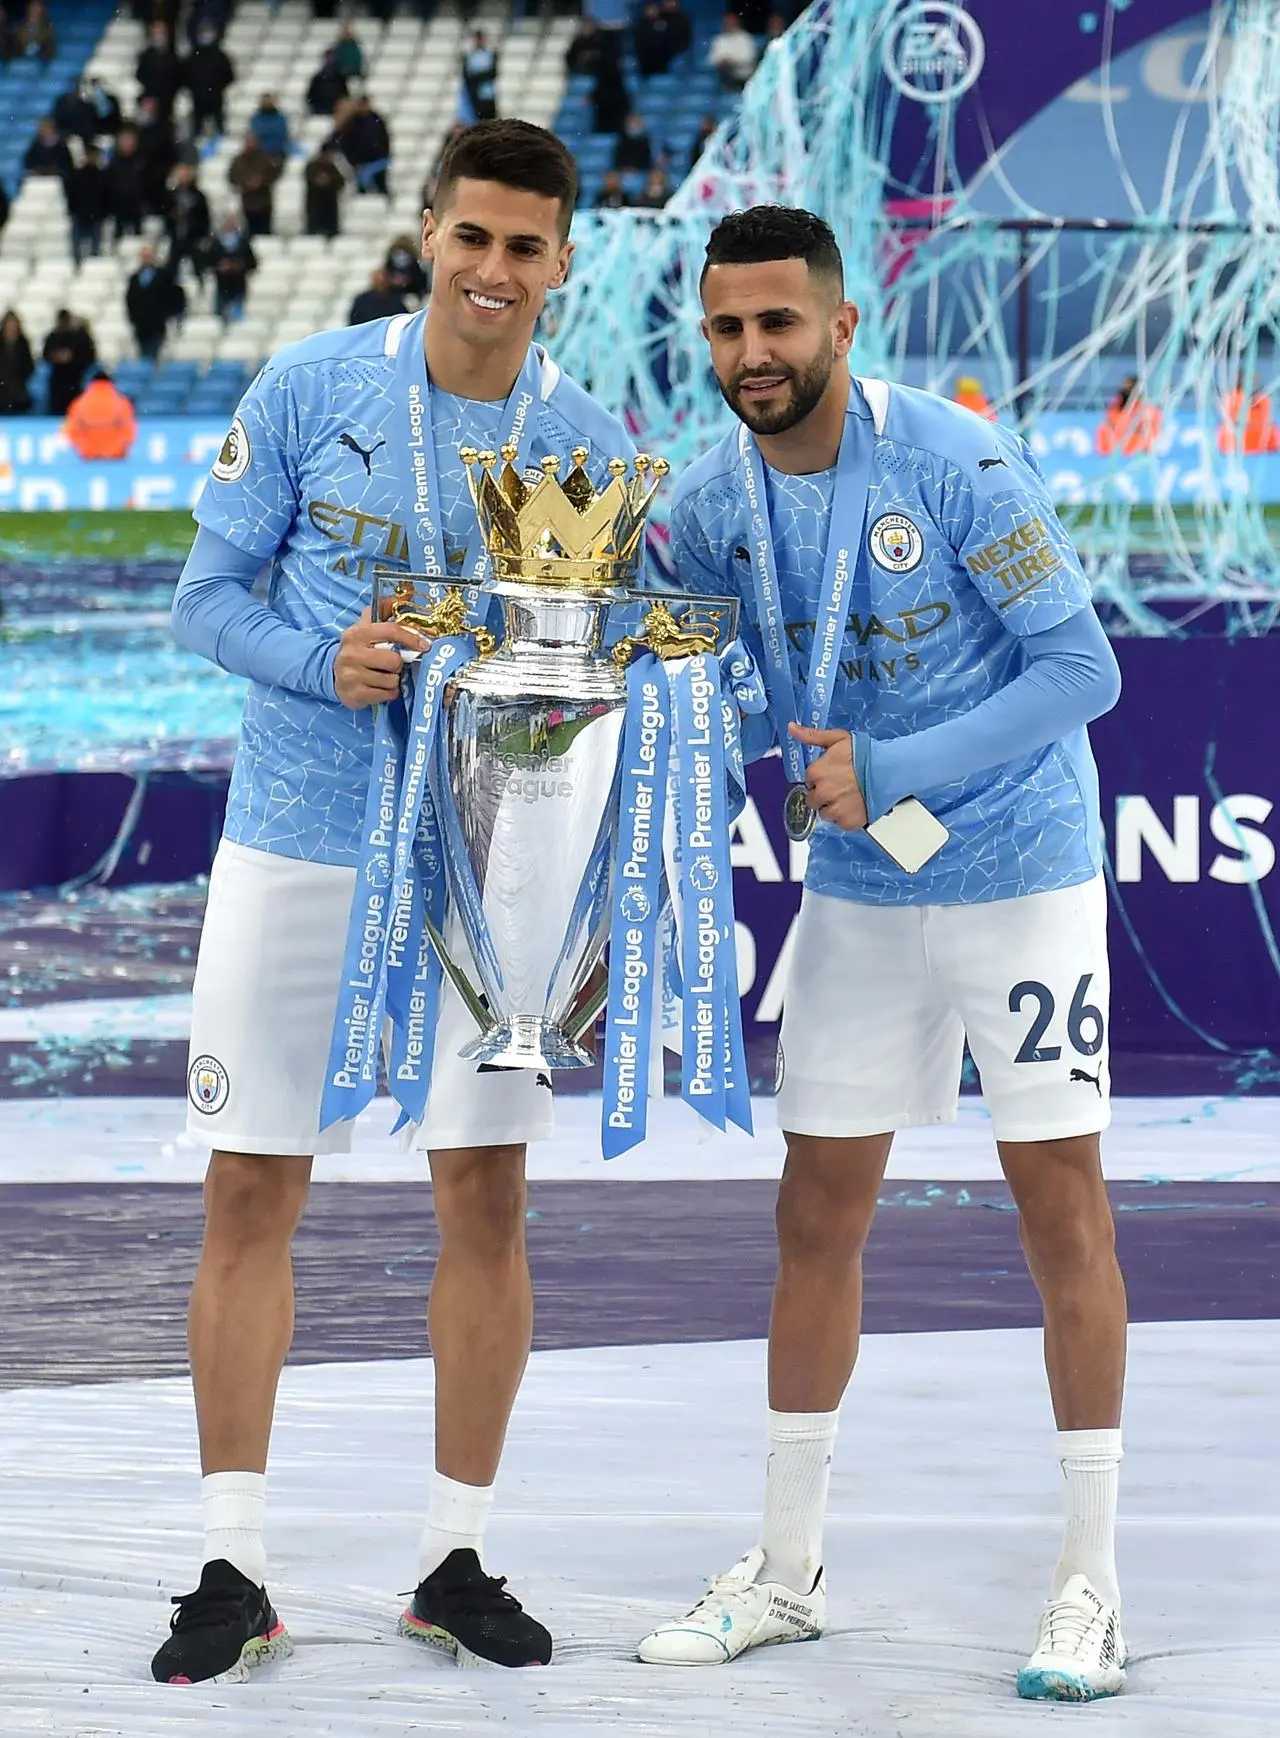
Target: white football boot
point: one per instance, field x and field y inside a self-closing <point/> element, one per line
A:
<point x="1079" y="1653"/>
<point x="737" y="1612"/>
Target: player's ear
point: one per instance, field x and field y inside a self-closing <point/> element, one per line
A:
<point x="843" y="326"/>
<point x="564" y="260"/>
<point x="705" y="328"/>
<point x="428" y="236"/>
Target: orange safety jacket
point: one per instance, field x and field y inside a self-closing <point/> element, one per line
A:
<point x="100" y="423"/>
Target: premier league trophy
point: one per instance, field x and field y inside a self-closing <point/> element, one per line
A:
<point x="528" y="796"/>
<point x="555" y="790"/>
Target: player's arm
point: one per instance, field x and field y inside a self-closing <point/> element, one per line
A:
<point x="245" y="514"/>
<point x="698" y="569"/>
<point x="1014" y="550"/>
<point x="1071" y="678"/>
<point x="215" y="614"/>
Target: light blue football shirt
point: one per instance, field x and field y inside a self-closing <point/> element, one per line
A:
<point x="307" y="482"/>
<point x="961" y="558"/>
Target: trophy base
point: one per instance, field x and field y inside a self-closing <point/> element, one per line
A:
<point x="527" y="1041"/>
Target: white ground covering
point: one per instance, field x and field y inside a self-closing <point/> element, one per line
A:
<point x="143" y="1140"/>
<point x="630" y="1473"/>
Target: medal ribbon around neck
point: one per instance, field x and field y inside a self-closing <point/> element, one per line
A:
<point x="418" y="476"/>
<point x="844" y="539"/>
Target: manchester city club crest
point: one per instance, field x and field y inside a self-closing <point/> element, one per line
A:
<point x="208" y="1087"/>
<point x="895" y="543"/>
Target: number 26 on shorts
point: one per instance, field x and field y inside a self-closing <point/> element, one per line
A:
<point x="1085" y="1026"/>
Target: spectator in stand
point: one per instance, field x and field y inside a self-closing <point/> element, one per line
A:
<point x="152" y="298"/>
<point x="208" y="74"/>
<point x="775" y="26"/>
<point x="733" y="54"/>
<point x="158" y="151"/>
<point x="634" y="150"/>
<point x="378" y="302"/>
<point x="706" y="126"/>
<point x="208" y="18"/>
<point x="100" y="421"/>
<point x="348" y="54"/>
<point x="328" y="87"/>
<point x="186" y="216"/>
<point x="613" y="195"/>
<point x="654" y="52"/>
<point x="70" y="352"/>
<point x="86" y="111"/>
<point x="253" y="173"/>
<point x="324" y="8"/>
<point x="324" y="183"/>
<point x="88" y="195"/>
<point x="1131" y="425"/>
<point x="657" y="191"/>
<point x="403" y="266"/>
<point x="365" y="143"/>
<point x="105" y="105"/>
<point x="679" y="26"/>
<point x="159" y="71"/>
<point x="47" y="154"/>
<point x="8" y="46"/>
<point x="17" y="365"/>
<point x="610" y="99"/>
<point x="229" y="255"/>
<point x="126" y="202"/>
<point x="271" y="129"/>
<point x="588" y="50"/>
<point x="480" y="78"/>
<point x="34" y="37"/>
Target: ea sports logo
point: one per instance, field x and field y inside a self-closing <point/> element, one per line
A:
<point x="895" y="543"/>
<point x="634" y="905"/>
<point x="933" y="51"/>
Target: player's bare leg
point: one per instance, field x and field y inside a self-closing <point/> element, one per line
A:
<point x="480" y="1316"/>
<point x="240" y="1318"/>
<point x="480" y="1320"/>
<point x="1069" y="1237"/>
<point x="776" y="1593"/>
<point x="239" y="1327"/>
<point x="826" y="1202"/>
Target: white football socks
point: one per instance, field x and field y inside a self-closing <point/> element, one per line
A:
<point x="456" y="1517"/>
<point x="795" y="1496"/>
<point x="233" y="1508"/>
<point x="1091" y="1466"/>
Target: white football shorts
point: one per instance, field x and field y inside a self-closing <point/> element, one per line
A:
<point x="880" y="999"/>
<point x="263" y="1005"/>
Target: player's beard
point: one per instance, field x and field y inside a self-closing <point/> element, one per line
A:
<point x="807" y="387"/>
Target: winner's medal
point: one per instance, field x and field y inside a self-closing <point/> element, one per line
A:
<point x="797" y="817"/>
<point x="848" y="517"/>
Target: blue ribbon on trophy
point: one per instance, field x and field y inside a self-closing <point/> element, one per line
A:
<point x="634" y="955"/>
<point x="383" y="966"/>
<point x="848" y="516"/>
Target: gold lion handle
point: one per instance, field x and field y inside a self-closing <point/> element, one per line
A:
<point x="441" y="619"/>
<point x="663" y="635"/>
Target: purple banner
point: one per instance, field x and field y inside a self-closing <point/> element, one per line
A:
<point x="1187" y="773"/>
